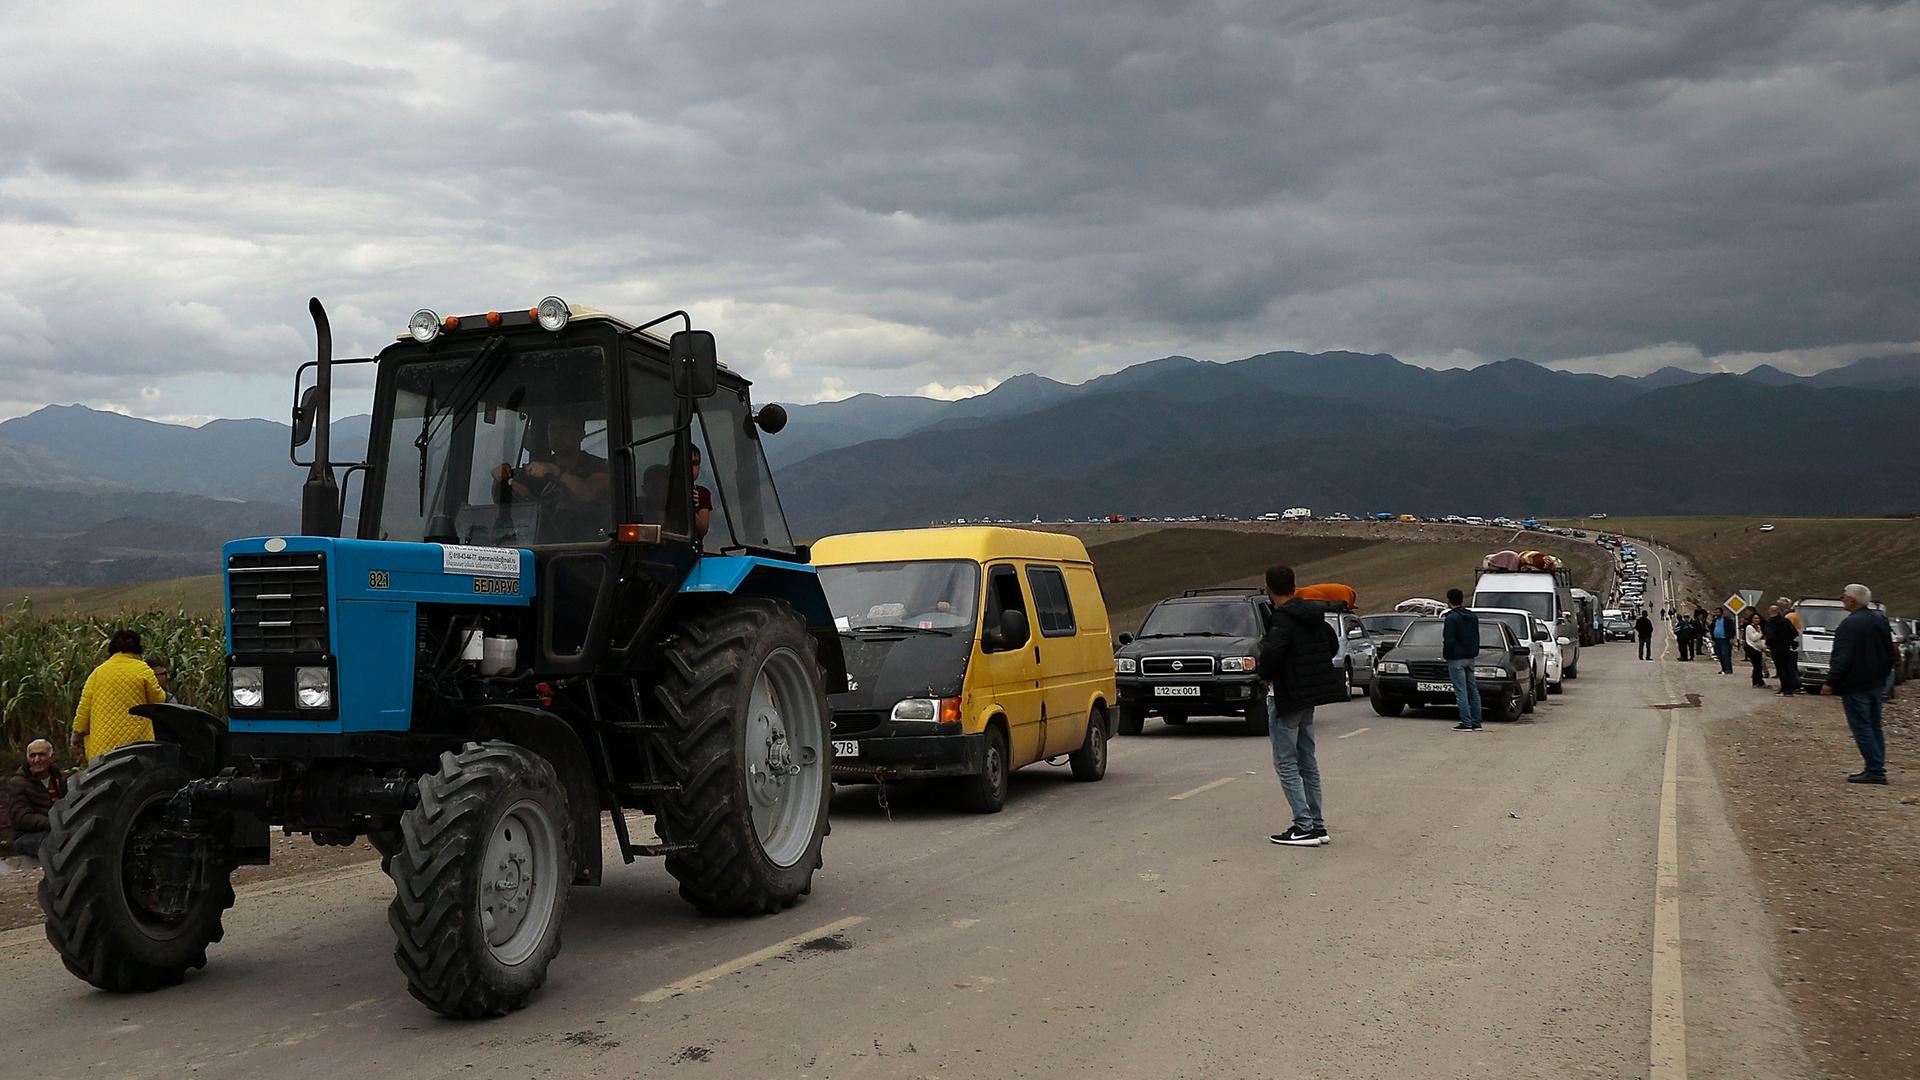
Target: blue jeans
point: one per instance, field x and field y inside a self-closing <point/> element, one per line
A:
<point x="1863" y="719"/>
<point x="1466" y="691"/>
<point x="1295" y="764"/>
<point x="1723" y="652"/>
<point x="28" y="844"/>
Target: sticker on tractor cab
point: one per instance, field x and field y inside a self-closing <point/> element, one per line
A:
<point x="497" y="586"/>
<point x="490" y="561"/>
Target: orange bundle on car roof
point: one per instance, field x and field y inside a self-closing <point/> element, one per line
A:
<point x="1501" y="560"/>
<point x="1539" y="560"/>
<point x="1334" y="595"/>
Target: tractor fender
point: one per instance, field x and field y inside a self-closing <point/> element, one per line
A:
<point x="201" y="736"/>
<point x="555" y="740"/>
<point x="796" y="584"/>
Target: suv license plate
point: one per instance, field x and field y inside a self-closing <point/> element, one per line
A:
<point x="1434" y="687"/>
<point x="846" y="748"/>
<point x="1176" y="691"/>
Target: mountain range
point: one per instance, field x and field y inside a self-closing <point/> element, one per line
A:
<point x="89" y="497"/>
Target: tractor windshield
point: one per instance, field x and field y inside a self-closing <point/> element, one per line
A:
<point x="501" y="446"/>
<point x="746" y="509"/>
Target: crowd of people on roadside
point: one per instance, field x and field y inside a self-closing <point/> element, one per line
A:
<point x="1769" y="643"/>
<point x="103" y="721"/>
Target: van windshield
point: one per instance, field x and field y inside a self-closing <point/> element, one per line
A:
<point x="941" y="595"/>
<point x="1539" y="603"/>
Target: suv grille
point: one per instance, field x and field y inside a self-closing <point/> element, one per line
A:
<point x="1177" y="666"/>
<point x="279" y="602"/>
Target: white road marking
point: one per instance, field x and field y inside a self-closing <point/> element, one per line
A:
<point x="1202" y="788"/>
<point x="701" y="980"/>
<point x="1667" y="1044"/>
<point x="1352" y="733"/>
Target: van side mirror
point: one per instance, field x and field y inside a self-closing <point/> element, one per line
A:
<point x="1010" y="634"/>
<point x="303" y="416"/>
<point x="695" y="363"/>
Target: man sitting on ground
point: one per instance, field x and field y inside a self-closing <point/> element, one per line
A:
<point x="30" y="795"/>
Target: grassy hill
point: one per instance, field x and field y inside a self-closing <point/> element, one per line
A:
<point x="200" y="595"/>
<point x="1800" y="557"/>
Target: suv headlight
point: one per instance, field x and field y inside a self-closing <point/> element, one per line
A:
<point x="313" y="687"/>
<point x="1393" y="667"/>
<point x="1489" y="673"/>
<point x="1125" y="665"/>
<point x="1239" y="664"/>
<point x="246" y="687"/>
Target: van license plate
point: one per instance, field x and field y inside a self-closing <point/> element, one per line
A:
<point x="846" y="748"/>
<point x="1176" y="691"/>
<point x="1434" y="687"/>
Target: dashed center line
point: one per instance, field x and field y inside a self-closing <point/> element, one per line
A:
<point x="1202" y="788"/>
<point x="1352" y="733"/>
<point x="700" y="980"/>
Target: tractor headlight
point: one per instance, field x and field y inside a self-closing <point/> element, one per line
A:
<point x="424" y="326"/>
<point x="246" y="687"/>
<point x="1393" y="667"/>
<point x="313" y="687"/>
<point x="1125" y="665"/>
<point x="1489" y="673"/>
<point x="1238" y="663"/>
<point x="553" y="314"/>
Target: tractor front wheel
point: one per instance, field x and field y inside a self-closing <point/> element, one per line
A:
<point x="480" y="881"/>
<point x="105" y="873"/>
<point x="742" y="692"/>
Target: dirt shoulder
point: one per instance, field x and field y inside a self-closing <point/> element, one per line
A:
<point x="293" y="857"/>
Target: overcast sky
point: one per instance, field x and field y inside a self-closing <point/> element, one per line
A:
<point x="930" y="197"/>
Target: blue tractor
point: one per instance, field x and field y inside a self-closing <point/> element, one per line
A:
<point x="568" y="591"/>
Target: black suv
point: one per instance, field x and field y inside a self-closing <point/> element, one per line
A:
<point x="1195" y="657"/>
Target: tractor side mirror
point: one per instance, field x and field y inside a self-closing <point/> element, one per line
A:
<point x="695" y="363"/>
<point x="771" y="418"/>
<point x="303" y="415"/>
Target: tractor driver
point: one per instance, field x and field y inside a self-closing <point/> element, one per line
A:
<point x="569" y="481"/>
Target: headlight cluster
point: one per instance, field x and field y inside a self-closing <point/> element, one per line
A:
<point x="1489" y="673"/>
<point x="246" y="687"/>
<point x="1393" y="667"/>
<point x="313" y="687"/>
<point x="927" y="710"/>
<point x="1239" y="663"/>
<point x="1125" y="665"/>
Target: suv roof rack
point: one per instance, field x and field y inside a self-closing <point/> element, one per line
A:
<point x="1244" y="591"/>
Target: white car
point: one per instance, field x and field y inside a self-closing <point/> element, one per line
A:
<point x="1766" y="528"/>
<point x="1550" y="647"/>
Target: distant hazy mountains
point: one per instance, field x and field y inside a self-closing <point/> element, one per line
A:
<point x="91" y="497"/>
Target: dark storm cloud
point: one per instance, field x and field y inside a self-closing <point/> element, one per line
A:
<point x="889" y="194"/>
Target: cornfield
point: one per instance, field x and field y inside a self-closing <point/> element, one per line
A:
<point x="44" y="661"/>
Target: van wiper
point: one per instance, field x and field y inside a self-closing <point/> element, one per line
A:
<point x="897" y="628"/>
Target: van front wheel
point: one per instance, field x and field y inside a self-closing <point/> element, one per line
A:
<point x="1090" y="761"/>
<point x="986" y="791"/>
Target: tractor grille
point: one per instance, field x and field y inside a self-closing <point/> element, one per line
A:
<point x="1177" y="666"/>
<point x="279" y="602"/>
<point x="1428" y="669"/>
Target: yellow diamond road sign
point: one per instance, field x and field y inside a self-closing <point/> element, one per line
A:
<point x="1735" y="604"/>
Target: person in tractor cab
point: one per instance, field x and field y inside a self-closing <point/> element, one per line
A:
<point x="702" y="499"/>
<point x="562" y="475"/>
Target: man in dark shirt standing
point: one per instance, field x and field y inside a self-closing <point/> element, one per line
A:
<point x="1296" y="662"/>
<point x="1459" y="644"/>
<point x="1862" y="660"/>
<point x="1783" y="641"/>
<point x="1643" y="629"/>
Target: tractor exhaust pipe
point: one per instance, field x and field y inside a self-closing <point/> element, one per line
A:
<point x="320" y="496"/>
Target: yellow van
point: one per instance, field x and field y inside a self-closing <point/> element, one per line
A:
<point x="970" y="653"/>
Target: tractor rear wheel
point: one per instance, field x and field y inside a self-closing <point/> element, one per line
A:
<point x="742" y="691"/>
<point x="101" y="876"/>
<point x="481" y="879"/>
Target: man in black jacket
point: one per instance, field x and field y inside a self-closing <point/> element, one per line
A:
<point x="1459" y="644"/>
<point x="29" y="795"/>
<point x="1296" y="662"/>
<point x="1643" y="629"/>
<point x="1862" y="660"/>
<point x="1783" y="641"/>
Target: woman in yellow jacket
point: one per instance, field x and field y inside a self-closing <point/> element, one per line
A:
<point x="105" y="721"/>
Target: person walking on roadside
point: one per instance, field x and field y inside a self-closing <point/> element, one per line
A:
<point x="1754" y="637"/>
<point x="1643" y="629"/>
<point x="1459" y="645"/>
<point x="1862" y="660"/>
<point x="1783" y="644"/>
<point x="1683" y="637"/>
<point x="1296" y="663"/>
<point x="104" y="720"/>
<point x="1724" y="632"/>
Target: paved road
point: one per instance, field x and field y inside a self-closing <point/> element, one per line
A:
<point x="1487" y="909"/>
